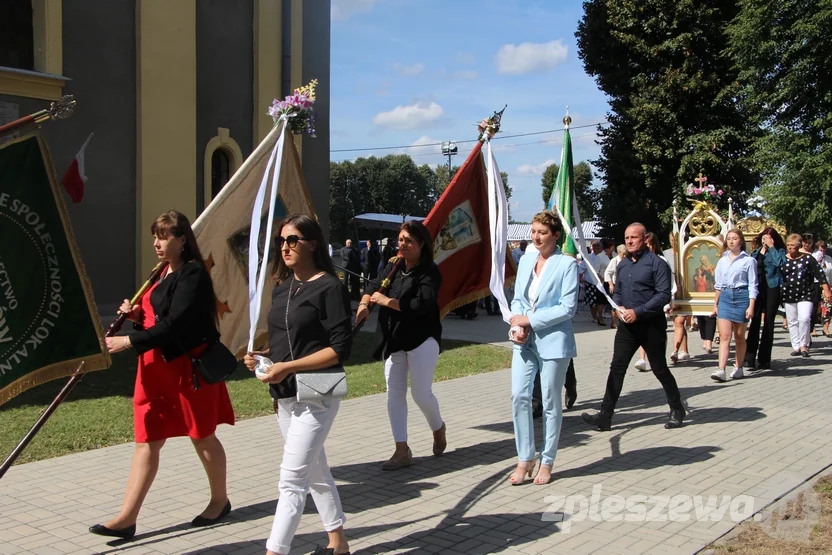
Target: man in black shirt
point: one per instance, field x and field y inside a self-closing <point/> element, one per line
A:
<point x="642" y="288"/>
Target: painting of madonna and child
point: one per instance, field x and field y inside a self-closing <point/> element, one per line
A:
<point x="701" y="258"/>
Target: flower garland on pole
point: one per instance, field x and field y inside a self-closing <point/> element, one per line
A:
<point x="298" y="109"/>
<point x="702" y="195"/>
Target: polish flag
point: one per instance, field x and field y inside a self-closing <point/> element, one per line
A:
<point x="74" y="178"/>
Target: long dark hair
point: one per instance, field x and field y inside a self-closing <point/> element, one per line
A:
<point x="653" y="242"/>
<point x="420" y="233"/>
<point x="176" y="224"/>
<point x="775" y="237"/>
<point x="311" y="231"/>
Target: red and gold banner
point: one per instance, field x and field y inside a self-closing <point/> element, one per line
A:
<point x="459" y="224"/>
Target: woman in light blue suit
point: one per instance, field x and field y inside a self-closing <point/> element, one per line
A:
<point x="545" y="300"/>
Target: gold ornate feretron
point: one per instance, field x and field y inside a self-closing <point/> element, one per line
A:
<point x="754" y="225"/>
<point x="703" y="224"/>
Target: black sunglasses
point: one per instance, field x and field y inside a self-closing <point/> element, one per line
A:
<point x="291" y="240"/>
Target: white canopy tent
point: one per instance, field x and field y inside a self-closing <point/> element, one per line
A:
<point x="518" y="232"/>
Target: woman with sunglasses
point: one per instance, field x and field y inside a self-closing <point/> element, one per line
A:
<point x="309" y="329"/>
<point x="408" y="338"/>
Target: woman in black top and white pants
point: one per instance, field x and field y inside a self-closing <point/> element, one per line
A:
<point x="315" y="305"/>
<point x="409" y="333"/>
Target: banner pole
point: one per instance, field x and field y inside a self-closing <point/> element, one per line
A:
<point x="76" y="377"/>
<point x="79" y="373"/>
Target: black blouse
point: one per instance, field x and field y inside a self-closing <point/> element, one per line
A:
<point x="183" y="303"/>
<point x="418" y="317"/>
<point x="319" y="317"/>
<point x="800" y="278"/>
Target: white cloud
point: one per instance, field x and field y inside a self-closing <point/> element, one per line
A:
<point x="409" y="71"/>
<point x="411" y="116"/>
<point x="467" y="74"/>
<point x="530" y="57"/>
<point x="343" y="9"/>
<point x="538" y="169"/>
<point x="422" y="146"/>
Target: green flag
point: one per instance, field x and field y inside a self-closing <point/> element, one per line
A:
<point x="563" y="193"/>
<point x="48" y="320"/>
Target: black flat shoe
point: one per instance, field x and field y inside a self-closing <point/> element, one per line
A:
<point x="123" y="533"/>
<point x="764" y="366"/>
<point x="805" y="354"/>
<point x="202" y="521"/>
<point x="571" y="397"/>
<point x="676" y="418"/>
<point x="327" y="551"/>
<point x="601" y="420"/>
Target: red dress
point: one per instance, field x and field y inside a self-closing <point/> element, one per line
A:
<point x="165" y="403"/>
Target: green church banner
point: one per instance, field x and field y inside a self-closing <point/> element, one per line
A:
<point x="48" y="320"/>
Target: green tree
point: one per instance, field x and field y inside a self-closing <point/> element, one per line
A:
<point x="586" y="195"/>
<point x="674" y="108"/>
<point x="782" y="51"/>
<point x="393" y="184"/>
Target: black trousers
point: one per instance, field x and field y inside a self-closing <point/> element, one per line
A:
<point x="570" y="385"/>
<point x="355" y="287"/>
<point x="707" y="327"/>
<point x="652" y="336"/>
<point x="759" y="347"/>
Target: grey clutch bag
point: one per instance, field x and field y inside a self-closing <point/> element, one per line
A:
<point x="317" y="384"/>
<point x="321" y="384"/>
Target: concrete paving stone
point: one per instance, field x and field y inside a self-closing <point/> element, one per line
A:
<point x="752" y="431"/>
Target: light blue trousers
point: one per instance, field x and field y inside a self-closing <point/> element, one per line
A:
<point x="525" y="364"/>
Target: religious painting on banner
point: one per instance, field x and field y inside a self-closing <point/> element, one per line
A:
<point x="49" y="323"/>
<point x="224" y="227"/>
<point x="459" y="226"/>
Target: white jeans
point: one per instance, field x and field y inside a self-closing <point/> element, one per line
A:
<point x="304" y="427"/>
<point x="799" y="316"/>
<point x="421" y="364"/>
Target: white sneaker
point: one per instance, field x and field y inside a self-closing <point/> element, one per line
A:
<point x="736" y="374"/>
<point x="719" y="375"/>
<point x="674" y="357"/>
<point x="683" y="355"/>
<point x="641" y="365"/>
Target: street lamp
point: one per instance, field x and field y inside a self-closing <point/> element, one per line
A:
<point x="449" y="149"/>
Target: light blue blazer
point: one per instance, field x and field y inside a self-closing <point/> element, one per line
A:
<point x="557" y="301"/>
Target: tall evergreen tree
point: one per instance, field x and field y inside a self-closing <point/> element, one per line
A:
<point x="673" y="105"/>
<point x="784" y="54"/>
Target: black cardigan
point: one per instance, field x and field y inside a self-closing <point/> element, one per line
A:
<point x="183" y="304"/>
<point x="418" y="317"/>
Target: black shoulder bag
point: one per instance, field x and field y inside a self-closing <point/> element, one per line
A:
<point x="214" y="365"/>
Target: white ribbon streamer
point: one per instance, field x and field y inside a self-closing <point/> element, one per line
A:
<point x="597" y="282"/>
<point x="498" y="230"/>
<point x="257" y="281"/>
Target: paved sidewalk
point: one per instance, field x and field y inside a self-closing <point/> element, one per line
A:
<point x="757" y="437"/>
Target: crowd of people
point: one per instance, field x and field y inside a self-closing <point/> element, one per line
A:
<point x="310" y="327"/>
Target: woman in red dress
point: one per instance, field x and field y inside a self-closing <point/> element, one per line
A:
<point x="178" y="313"/>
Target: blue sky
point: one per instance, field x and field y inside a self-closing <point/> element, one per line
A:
<point x="411" y="72"/>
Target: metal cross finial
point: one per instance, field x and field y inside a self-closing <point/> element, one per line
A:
<point x="701" y="179"/>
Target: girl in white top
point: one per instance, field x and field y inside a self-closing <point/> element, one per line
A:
<point x="610" y="274"/>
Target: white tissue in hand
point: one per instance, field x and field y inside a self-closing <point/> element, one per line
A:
<point x="263" y="365"/>
<point x="514" y="331"/>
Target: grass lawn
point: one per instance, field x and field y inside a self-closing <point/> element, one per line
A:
<point x="753" y="538"/>
<point x="99" y="411"/>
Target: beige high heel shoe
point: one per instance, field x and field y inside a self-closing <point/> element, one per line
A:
<point x="541" y="481"/>
<point x="527" y="473"/>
